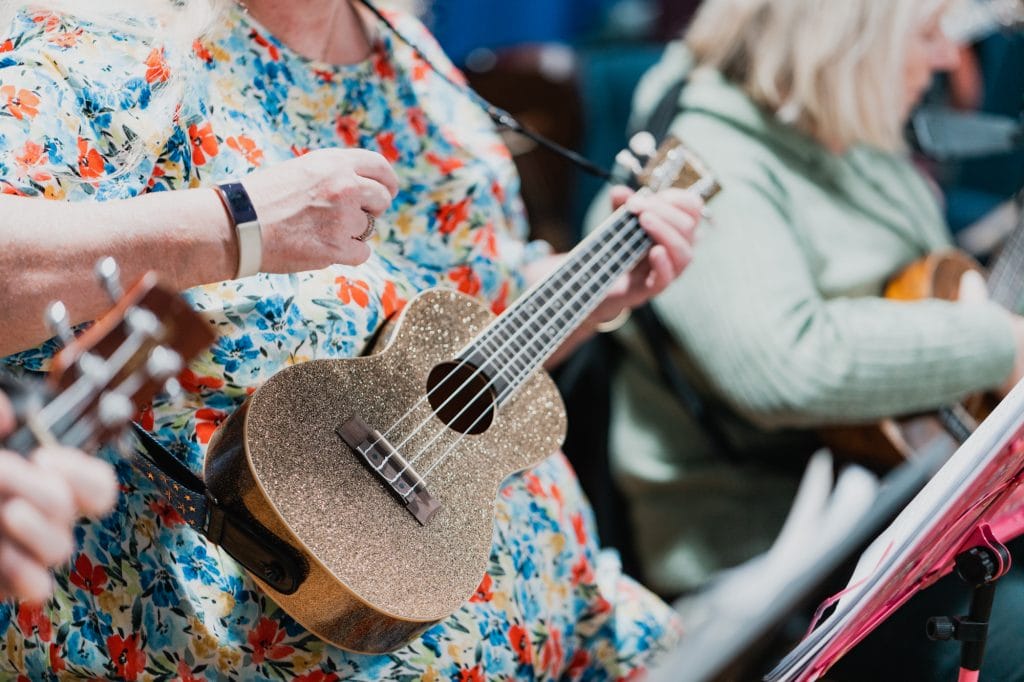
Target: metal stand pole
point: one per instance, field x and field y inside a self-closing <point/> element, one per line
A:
<point x="979" y="567"/>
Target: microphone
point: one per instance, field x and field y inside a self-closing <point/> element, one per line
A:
<point x="949" y="135"/>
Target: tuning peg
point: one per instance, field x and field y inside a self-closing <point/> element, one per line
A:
<point x="630" y="163"/>
<point x="115" y="409"/>
<point x="163" y="363"/>
<point x="57" y="320"/>
<point x="643" y="145"/>
<point x="172" y="387"/>
<point x="109" y="275"/>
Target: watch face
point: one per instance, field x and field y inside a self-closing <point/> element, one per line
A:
<point x="238" y="201"/>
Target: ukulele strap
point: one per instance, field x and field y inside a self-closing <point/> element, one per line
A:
<point x="251" y="544"/>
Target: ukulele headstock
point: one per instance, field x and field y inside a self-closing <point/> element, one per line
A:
<point x="104" y="375"/>
<point x="670" y="164"/>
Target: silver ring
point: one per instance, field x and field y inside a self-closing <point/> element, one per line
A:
<point x="371" y="227"/>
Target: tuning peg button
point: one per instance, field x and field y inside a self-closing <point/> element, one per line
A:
<point x="629" y="162"/>
<point x="57" y="320"/>
<point x="163" y="363"/>
<point x="109" y="275"/>
<point x="172" y="387"/>
<point x="643" y="145"/>
<point x="115" y="409"/>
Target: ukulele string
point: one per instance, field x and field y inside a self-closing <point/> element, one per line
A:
<point x="496" y="355"/>
<point x="641" y="246"/>
<point x="620" y="215"/>
<point x="612" y="245"/>
<point x="665" y="175"/>
<point x="501" y="119"/>
<point x="636" y="246"/>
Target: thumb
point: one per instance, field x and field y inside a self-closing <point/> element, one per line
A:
<point x="972" y="288"/>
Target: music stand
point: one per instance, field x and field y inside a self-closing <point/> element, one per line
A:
<point x="727" y="634"/>
<point x="956" y="511"/>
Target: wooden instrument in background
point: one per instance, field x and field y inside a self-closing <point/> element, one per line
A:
<point x="101" y="378"/>
<point x="891" y="441"/>
<point x="383" y="471"/>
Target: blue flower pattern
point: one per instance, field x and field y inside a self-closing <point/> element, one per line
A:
<point x="145" y="597"/>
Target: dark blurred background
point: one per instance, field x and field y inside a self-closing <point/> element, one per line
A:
<point x="568" y="70"/>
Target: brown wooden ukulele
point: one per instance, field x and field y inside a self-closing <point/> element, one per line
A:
<point x="102" y="377"/>
<point x="383" y="471"/>
<point x="937" y="275"/>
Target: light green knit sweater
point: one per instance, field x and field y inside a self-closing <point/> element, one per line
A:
<point x="781" y="326"/>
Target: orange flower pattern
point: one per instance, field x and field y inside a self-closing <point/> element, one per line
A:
<point x="145" y="597"/>
<point x="19" y="102"/>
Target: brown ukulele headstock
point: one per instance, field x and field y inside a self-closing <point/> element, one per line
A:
<point x="676" y="165"/>
<point x="104" y="375"/>
<point x="670" y="164"/>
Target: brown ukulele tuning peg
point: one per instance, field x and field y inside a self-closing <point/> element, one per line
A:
<point x="138" y="319"/>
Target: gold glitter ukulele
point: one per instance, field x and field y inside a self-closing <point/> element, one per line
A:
<point x="381" y="472"/>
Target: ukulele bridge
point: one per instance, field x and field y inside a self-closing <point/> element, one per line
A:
<point x="397" y="474"/>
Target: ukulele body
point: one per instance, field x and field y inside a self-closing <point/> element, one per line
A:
<point x="888" y="443"/>
<point x="377" y="576"/>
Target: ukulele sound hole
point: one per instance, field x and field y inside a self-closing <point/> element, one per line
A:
<point x="462" y="397"/>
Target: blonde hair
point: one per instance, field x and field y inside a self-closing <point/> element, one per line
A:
<point x="832" y="68"/>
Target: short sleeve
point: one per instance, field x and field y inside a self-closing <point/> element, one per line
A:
<point x="84" y="110"/>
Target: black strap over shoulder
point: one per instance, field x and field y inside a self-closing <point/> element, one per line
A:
<point x="665" y="112"/>
<point x="659" y="340"/>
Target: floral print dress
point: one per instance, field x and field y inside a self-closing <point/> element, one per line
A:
<point x="145" y="597"/>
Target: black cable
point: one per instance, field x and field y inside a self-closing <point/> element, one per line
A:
<point x="501" y="118"/>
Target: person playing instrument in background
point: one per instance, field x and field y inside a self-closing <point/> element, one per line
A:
<point x="372" y="178"/>
<point x="798" y="107"/>
<point x="41" y="498"/>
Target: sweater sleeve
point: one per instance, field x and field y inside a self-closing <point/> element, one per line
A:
<point x="748" y="313"/>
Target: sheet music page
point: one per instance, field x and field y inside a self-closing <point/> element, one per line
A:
<point x="722" y="621"/>
<point x="971" y="488"/>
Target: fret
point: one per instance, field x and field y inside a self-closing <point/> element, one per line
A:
<point x="519" y="341"/>
<point x="522" y="339"/>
